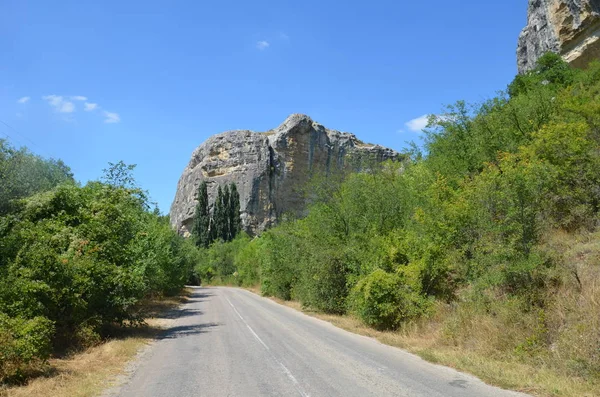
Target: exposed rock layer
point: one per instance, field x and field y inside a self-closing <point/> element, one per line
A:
<point x="570" y="28"/>
<point x="270" y="169"/>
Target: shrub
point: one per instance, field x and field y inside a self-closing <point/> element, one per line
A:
<point x="321" y="281"/>
<point x="277" y="270"/>
<point x="24" y="344"/>
<point x="382" y="300"/>
<point x="247" y="262"/>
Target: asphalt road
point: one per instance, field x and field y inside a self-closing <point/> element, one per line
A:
<point x="230" y="342"/>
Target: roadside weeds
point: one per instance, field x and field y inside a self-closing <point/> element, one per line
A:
<point x="88" y="373"/>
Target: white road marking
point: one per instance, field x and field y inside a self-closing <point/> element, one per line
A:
<point x="285" y="369"/>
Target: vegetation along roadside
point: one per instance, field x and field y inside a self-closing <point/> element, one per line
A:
<point x="76" y="264"/>
<point x="480" y="253"/>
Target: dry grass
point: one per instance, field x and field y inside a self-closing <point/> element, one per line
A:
<point x="88" y="373"/>
<point x="83" y="374"/>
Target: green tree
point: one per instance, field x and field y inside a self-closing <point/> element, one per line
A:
<point x="219" y="217"/>
<point x="201" y="227"/>
<point x="551" y="70"/>
<point x="226" y="232"/>
<point x="226" y="222"/>
<point x="235" y="222"/>
<point x="76" y="260"/>
<point x="23" y="174"/>
<point x="119" y="175"/>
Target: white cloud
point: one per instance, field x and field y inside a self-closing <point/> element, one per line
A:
<point x="111" y="117"/>
<point x="283" y="36"/>
<point x="60" y="104"/>
<point x="67" y="107"/>
<point x="63" y="104"/>
<point x="25" y="99"/>
<point x="418" y="124"/>
<point x="88" y="107"/>
<point x="262" y="45"/>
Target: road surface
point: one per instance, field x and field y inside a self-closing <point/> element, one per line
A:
<point x="230" y="342"/>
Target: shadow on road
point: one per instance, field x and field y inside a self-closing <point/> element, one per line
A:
<point x="160" y="314"/>
<point x="179" y="313"/>
<point x="196" y="295"/>
<point x="200" y="296"/>
<point x="186" y="330"/>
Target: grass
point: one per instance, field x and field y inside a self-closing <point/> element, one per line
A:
<point x="88" y="373"/>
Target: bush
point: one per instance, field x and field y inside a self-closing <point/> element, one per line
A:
<point x="321" y="282"/>
<point x="277" y="270"/>
<point x="24" y="345"/>
<point x="218" y="263"/>
<point x="382" y="300"/>
<point x="247" y="263"/>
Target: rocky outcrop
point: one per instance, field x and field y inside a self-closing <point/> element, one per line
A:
<point x="570" y="28"/>
<point x="270" y="169"/>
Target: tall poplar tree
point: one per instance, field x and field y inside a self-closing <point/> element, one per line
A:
<point x="235" y="222"/>
<point x="201" y="226"/>
<point x="219" y="216"/>
<point x="226" y="231"/>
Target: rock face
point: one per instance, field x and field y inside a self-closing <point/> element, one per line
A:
<point x="270" y="169"/>
<point x="570" y="28"/>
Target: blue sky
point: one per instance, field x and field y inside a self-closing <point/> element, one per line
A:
<point x="147" y="81"/>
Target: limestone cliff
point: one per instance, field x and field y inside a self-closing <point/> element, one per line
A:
<point x="570" y="28"/>
<point x="270" y="169"/>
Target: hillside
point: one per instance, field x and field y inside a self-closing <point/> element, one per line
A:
<point x="484" y="245"/>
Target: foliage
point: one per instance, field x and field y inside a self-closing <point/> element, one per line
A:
<point x="119" y="175"/>
<point x="278" y="273"/>
<point x="233" y="213"/>
<point x="23" y="174"/>
<point x="218" y="224"/>
<point x="247" y="262"/>
<point x="218" y="262"/>
<point x="23" y="342"/>
<point x="225" y="223"/>
<point x="76" y="260"/>
<point x="382" y="300"/>
<point x="201" y="229"/>
<point x="551" y="70"/>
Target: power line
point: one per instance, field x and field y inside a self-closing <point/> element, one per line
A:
<point x="48" y="154"/>
<point x="8" y="136"/>
<point x="15" y="130"/>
